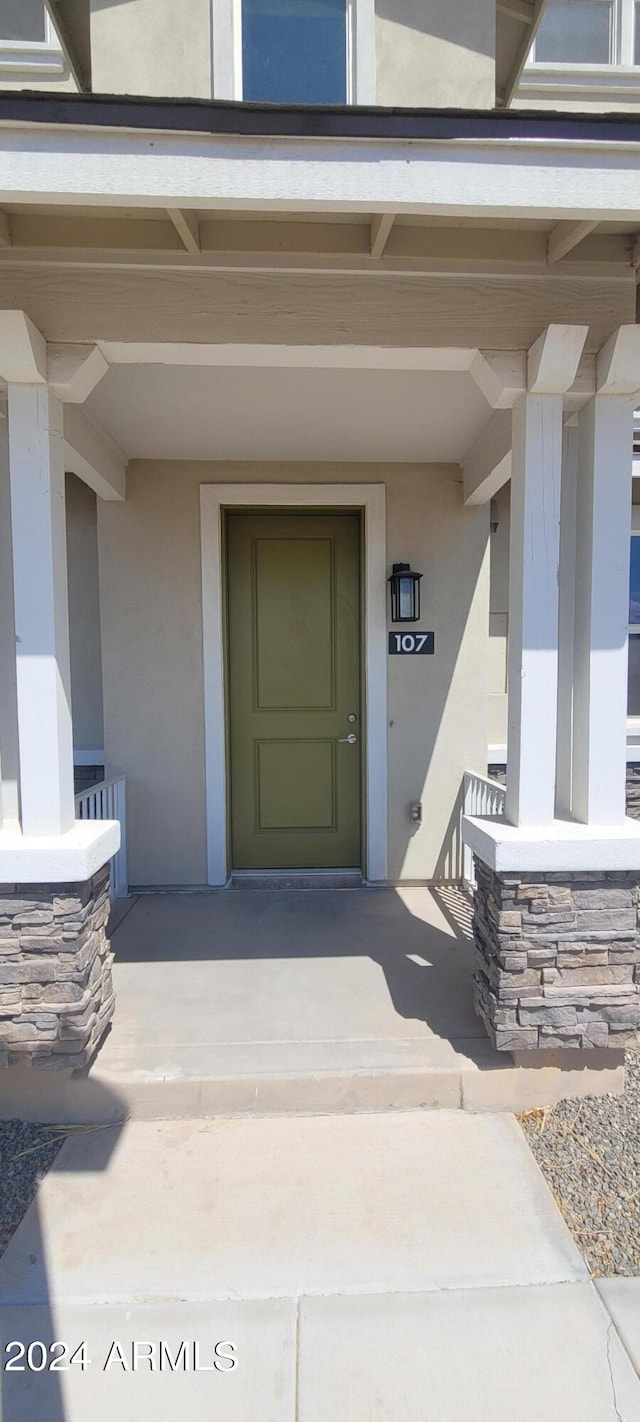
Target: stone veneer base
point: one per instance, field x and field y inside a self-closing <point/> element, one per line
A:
<point x="56" y="991"/>
<point x="557" y="959"/>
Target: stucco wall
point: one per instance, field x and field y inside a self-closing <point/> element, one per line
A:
<point x="152" y="656"/>
<point x="152" y="47"/>
<point x="84" y="615"/>
<point x="436" y="54"/>
<point x="440" y="54"/>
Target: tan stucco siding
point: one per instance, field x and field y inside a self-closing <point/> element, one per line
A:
<point x="151" y="614"/>
<point x="152" y="651"/>
<point x="440" y="55"/>
<point x="152" y="47"/>
<point x="84" y="615"/>
<point x="435" y="730"/>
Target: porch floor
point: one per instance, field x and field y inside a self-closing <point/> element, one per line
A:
<point x="291" y="1000"/>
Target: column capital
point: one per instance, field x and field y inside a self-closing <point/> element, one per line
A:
<point x="23" y="350"/>
<point x="553" y="360"/>
<point x="618" y="363"/>
<point x="550" y="367"/>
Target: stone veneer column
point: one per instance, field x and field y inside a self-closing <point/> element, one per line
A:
<point x="56" y="992"/>
<point x="557" y="958"/>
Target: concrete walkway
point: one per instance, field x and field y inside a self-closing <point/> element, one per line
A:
<point x="267" y="1001"/>
<point x="394" y="1266"/>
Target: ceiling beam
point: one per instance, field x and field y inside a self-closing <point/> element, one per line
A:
<point x="75" y="370"/>
<point x="565" y="236"/>
<point x="92" y="454"/>
<point x="487" y="466"/>
<point x="380" y="230"/>
<point x="186" y="226"/>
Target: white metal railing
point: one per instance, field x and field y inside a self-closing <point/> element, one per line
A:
<point x="480" y="796"/>
<point x="107" y="801"/>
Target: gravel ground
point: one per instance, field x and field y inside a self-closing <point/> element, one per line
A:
<point x="26" y="1154"/>
<point x="589" y="1154"/>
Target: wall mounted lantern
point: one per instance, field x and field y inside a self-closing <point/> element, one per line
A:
<point x="405" y="593"/>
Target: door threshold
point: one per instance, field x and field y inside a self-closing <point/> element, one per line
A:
<point x="296" y="879"/>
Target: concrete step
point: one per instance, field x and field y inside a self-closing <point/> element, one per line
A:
<point x="265" y="1079"/>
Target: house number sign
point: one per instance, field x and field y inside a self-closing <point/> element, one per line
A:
<point x="411" y="644"/>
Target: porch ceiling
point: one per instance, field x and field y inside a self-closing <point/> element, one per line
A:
<point x="177" y="412"/>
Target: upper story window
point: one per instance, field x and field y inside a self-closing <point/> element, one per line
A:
<point x="294" y="51"/>
<point x="587" y="33"/>
<point x="28" y="41"/>
<point x="23" y="20"/>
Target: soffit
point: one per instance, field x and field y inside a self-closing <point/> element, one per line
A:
<point x="204" y="413"/>
<point x="40" y="231"/>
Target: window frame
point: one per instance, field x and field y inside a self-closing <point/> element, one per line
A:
<point x="617" y="75"/>
<point x="226" y="38"/>
<point x="41" y="58"/>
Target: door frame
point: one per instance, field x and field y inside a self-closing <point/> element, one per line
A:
<point x="370" y="499"/>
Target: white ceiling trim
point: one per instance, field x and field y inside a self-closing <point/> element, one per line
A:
<point x="535" y="177"/>
<point x="288" y="357"/>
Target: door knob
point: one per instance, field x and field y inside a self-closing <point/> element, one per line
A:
<point x="349" y="740"/>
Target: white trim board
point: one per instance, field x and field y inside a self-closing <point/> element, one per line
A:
<point x="486" y="178"/>
<point x="295" y="357"/>
<point x="562" y="847"/>
<point x="214" y="500"/>
<point x="64" y="858"/>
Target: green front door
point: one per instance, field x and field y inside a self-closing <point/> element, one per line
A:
<point x="294" y="690"/>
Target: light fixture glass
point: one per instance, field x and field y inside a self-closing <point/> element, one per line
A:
<point x="405" y="593"/>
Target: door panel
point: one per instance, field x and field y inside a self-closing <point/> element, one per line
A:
<point x="296" y="785"/>
<point x="294" y="591"/>
<point x="294" y="679"/>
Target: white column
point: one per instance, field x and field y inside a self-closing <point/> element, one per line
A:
<point x="533" y="610"/>
<point x="603" y="532"/>
<point x="566" y="620"/>
<point x="9" y="773"/>
<point x="36" y="463"/>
